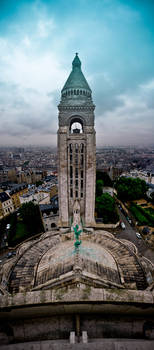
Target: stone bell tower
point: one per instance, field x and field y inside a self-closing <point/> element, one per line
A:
<point x="76" y="149"/>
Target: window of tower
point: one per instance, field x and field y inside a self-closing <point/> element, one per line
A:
<point x="82" y="147"/>
<point x="82" y="159"/>
<point x="71" y="149"/>
<point x="76" y="159"/>
<point x="71" y="193"/>
<point x="76" y="172"/>
<point x="76" y="128"/>
<point x="71" y="171"/>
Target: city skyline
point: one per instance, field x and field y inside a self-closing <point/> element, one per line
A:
<point x="38" y="41"/>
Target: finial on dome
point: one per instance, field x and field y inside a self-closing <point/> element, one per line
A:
<point x="76" y="62"/>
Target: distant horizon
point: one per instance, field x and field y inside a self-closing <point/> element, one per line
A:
<point x="55" y="146"/>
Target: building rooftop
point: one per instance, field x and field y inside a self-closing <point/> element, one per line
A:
<point x="4" y="197"/>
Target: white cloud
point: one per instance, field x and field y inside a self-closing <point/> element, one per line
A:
<point x="45" y="28"/>
<point x="28" y="83"/>
<point x="132" y="122"/>
<point x="27" y="41"/>
<point x="148" y="85"/>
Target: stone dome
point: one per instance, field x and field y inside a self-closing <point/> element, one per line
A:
<point x="92" y="261"/>
<point x="49" y="261"/>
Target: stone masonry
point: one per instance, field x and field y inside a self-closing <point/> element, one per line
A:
<point x="76" y="149"/>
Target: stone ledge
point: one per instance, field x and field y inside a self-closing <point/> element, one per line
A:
<point x="77" y="294"/>
<point x="99" y="344"/>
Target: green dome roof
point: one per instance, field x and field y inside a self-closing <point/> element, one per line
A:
<point x="76" y="79"/>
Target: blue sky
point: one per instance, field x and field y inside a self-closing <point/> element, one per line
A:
<point x="115" y="41"/>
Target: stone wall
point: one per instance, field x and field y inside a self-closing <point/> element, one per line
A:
<point x="51" y="314"/>
<point x="58" y="327"/>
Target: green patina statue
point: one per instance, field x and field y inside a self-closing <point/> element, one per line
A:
<point x="77" y="234"/>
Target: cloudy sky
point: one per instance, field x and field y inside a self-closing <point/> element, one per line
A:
<point x="115" y="42"/>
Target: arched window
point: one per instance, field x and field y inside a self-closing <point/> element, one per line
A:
<point x="76" y="128"/>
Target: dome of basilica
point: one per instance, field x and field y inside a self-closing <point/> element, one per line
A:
<point x="102" y="261"/>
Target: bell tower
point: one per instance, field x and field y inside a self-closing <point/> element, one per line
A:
<point x="76" y="149"/>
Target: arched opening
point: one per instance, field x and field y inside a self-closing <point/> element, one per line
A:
<point x="53" y="225"/>
<point x="76" y="126"/>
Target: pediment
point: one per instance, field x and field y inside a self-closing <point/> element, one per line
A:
<point x="76" y="277"/>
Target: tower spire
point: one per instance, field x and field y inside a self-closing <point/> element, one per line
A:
<point x="76" y="79"/>
<point x="76" y="62"/>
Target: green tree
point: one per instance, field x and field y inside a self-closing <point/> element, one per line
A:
<point x="102" y="175"/>
<point x="13" y="226"/>
<point x="152" y="197"/>
<point x="31" y="217"/>
<point x="106" y="208"/>
<point x="130" y="189"/>
<point x="99" y="187"/>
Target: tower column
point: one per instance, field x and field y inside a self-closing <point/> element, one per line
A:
<point x="76" y="149"/>
<point x="90" y="178"/>
<point x="62" y="178"/>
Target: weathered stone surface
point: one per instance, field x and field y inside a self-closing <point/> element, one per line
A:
<point x="79" y="183"/>
<point x="72" y="337"/>
<point x="99" y="345"/>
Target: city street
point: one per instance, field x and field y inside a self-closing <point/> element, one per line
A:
<point x="129" y="233"/>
